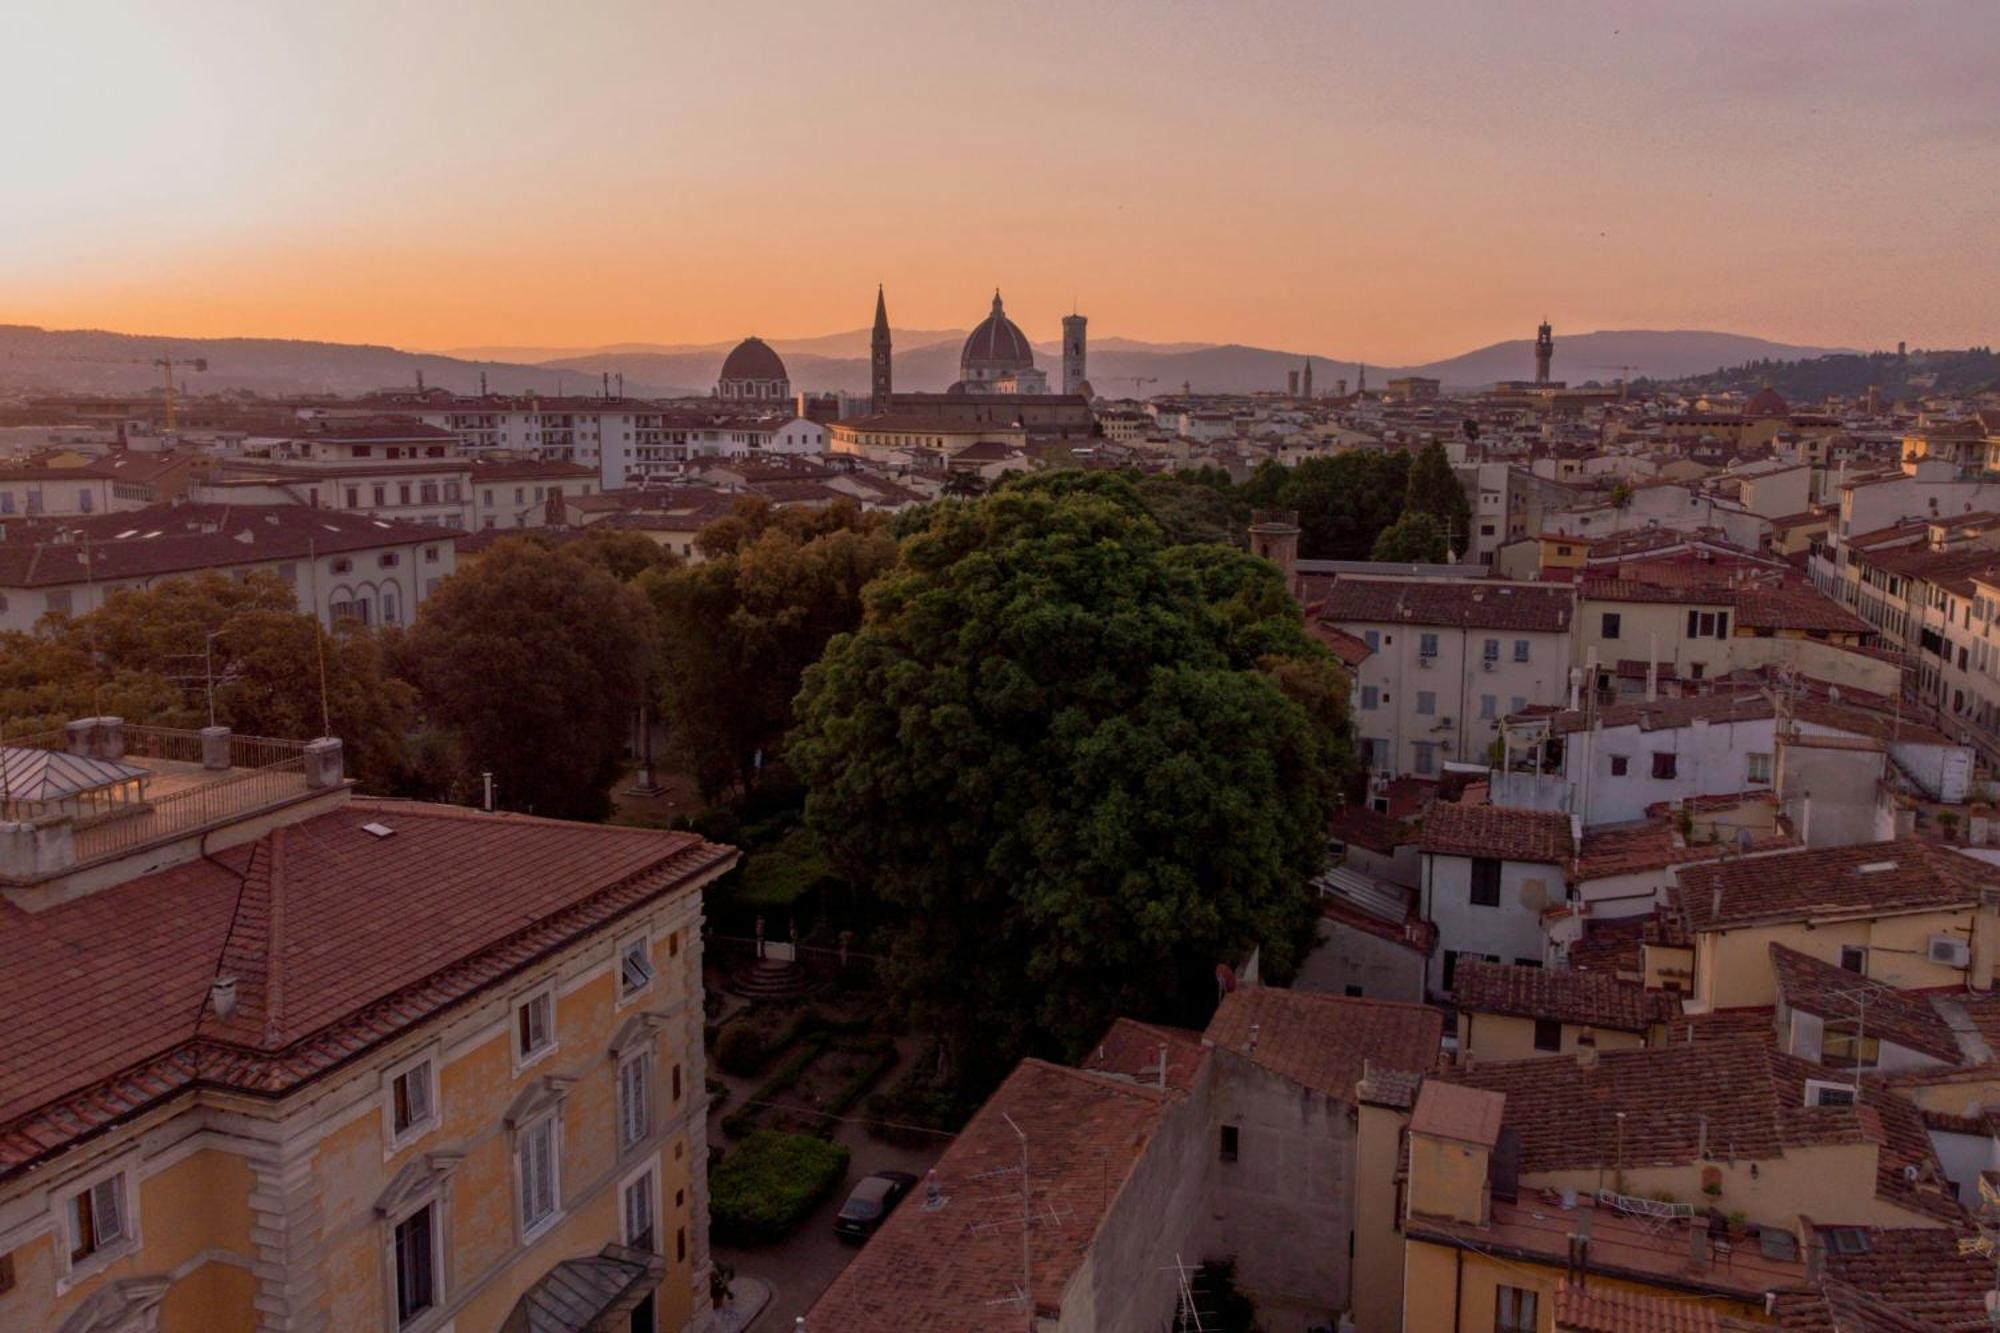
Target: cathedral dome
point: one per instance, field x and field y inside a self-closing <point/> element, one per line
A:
<point x="996" y="345"/>
<point x="753" y="359"/>
<point x="753" y="370"/>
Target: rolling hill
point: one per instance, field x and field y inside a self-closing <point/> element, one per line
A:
<point x="94" y="361"/>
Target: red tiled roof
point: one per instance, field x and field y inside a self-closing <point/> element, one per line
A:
<point x="1355" y="823"/>
<point x="1893" y="1014"/>
<point x="949" y="1269"/>
<point x="1598" y="1308"/>
<point x="1325" y="1042"/>
<point x="1919" y="1271"/>
<point x="1624" y="849"/>
<point x="1596" y="999"/>
<point x="183" y="538"/>
<point x="1875" y="878"/>
<point x="1131" y="1048"/>
<point x="327" y="961"/>
<point x="1737" y="1091"/>
<point x="1511" y="834"/>
<point x="1480" y="604"/>
<point x="1350" y="649"/>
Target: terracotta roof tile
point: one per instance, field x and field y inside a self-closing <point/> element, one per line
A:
<point x="1481" y="604"/>
<point x="1511" y="834"/>
<point x="1593" y="998"/>
<point x="314" y="921"/>
<point x="1880" y="878"/>
<point x="1894" y="1015"/>
<point x="1325" y="1042"/>
<point x="950" y="1269"/>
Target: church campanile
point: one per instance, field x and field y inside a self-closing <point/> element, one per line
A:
<point x="879" y="379"/>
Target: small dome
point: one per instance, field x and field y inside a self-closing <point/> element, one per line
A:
<point x="1767" y="403"/>
<point x="753" y="359"/>
<point x="997" y="345"/>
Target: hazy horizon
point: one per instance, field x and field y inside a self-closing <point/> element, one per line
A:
<point x="1402" y="185"/>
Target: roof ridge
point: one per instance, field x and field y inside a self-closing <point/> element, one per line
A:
<point x="1109" y="1081"/>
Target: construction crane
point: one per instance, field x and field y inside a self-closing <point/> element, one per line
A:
<point x="1136" y="381"/>
<point x="165" y="363"/>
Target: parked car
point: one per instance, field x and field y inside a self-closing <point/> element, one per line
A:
<point x="873" y="1199"/>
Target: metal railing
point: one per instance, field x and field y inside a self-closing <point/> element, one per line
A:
<point x="262" y="771"/>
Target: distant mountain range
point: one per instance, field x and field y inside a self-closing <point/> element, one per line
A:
<point x="92" y="361"/>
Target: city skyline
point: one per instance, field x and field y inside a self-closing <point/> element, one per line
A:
<point x="1285" y="175"/>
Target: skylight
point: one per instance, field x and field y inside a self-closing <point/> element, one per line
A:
<point x="1874" y="867"/>
<point x="378" y="830"/>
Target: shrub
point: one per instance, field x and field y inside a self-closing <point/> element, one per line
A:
<point x="742" y="1048"/>
<point x="770" y="1183"/>
<point x="739" y="1120"/>
<point x="921" y="1102"/>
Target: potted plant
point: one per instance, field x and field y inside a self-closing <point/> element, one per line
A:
<point x="720" y="1276"/>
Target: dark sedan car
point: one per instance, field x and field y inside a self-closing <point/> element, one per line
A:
<point x="873" y="1199"/>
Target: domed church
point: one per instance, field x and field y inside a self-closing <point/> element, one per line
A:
<point x="998" y="359"/>
<point x="755" y="372"/>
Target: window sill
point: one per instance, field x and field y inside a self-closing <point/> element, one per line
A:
<point x="531" y="1235"/>
<point x="94" y="1264"/>
<point x="523" y="1063"/>
<point x="411" y="1136"/>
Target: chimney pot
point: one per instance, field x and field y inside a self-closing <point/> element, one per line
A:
<point x="222" y="995"/>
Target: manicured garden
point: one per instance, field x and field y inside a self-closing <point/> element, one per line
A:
<point x="769" y="1183"/>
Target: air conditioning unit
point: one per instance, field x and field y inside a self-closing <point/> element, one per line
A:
<point x="1488" y="663"/>
<point x="1425" y="659"/>
<point x="1950" y="951"/>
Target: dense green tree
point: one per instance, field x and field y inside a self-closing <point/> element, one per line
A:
<point x="622" y="553"/>
<point x="535" y="661"/>
<point x="1434" y="489"/>
<point x="739" y="630"/>
<point x="1415" y="538"/>
<point x="152" y="656"/>
<point x="1343" y="502"/>
<point x="1058" y="746"/>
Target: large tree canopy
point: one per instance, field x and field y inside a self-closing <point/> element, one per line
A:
<point x="152" y="656"/>
<point x="1434" y="490"/>
<point x="1414" y="538"/>
<point x="740" y="630"/>
<point x="1343" y="502"/>
<point x="1063" y="747"/>
<point x="535" y="660"/>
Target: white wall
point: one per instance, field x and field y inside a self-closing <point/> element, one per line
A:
<point x="1511" y="931"/>
<point x="1461" y="687"/>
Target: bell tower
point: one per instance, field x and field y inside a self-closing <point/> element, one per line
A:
<point x="879" y="379"/>
<point x="1073" y="375"/>
<point x="1545" y="352"/>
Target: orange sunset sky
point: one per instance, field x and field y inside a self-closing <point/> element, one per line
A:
<point x="1392" y="182"/>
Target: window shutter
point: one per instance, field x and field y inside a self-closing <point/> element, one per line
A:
<point x="107" y="1202"/>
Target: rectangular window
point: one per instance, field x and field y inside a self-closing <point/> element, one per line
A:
<point x="1517" y="703"/>
<point x="416" y="1265"/>
<point x="639" y="1211"/>
<point x="1819" y="1092"/>
<point x="1520" y="650"/>
<point x="1760" y="768"/>
<point x="381" y="495"/>
<point x="1427" y="703"/>
<point x="1548" y="1034"/>
<point x="534" y="1025"/>
<point x="1230" y="1144"/>
<point x="1428" y="645"/>
<point x="354" y="497"/>
<point x="1371" y="637"/>
<point x="402" y="492"/>
<point x="1370" y="697"/>
<point x="1619" y="765"/>
<point x="428" y="491"/>
<point x="1663" y="764"/>
<point x="1844" y="1046"/>
<point x="536" y="1156"/>
<point x="1485" y="882"/>
<point x="410" y="1098"/>
<point x="635" y="1100"/>
<point x="1426" y="754"/>
<point x="635" y="968"/>
<point x="1489" y="707"/>
<point x="97" y="1218"/>
<point x="1513" y="1310"/>
<point x="1491" y="650"/>
<point x="1610" y="630"/>
<point x="1854" y="958"/>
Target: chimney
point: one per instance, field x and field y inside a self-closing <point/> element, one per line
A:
<point x="1254" y="1028"/>
<point x="1715" y="902"/>
<point x="215" y="749"/>
<point x="1586" y="1055"/>
<point x="323" y="763"/>
<point x="222" y="995"/>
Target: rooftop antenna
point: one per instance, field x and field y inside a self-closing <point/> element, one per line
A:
<point x="319" y="643"/>
<point x="1027" y="1216"/>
